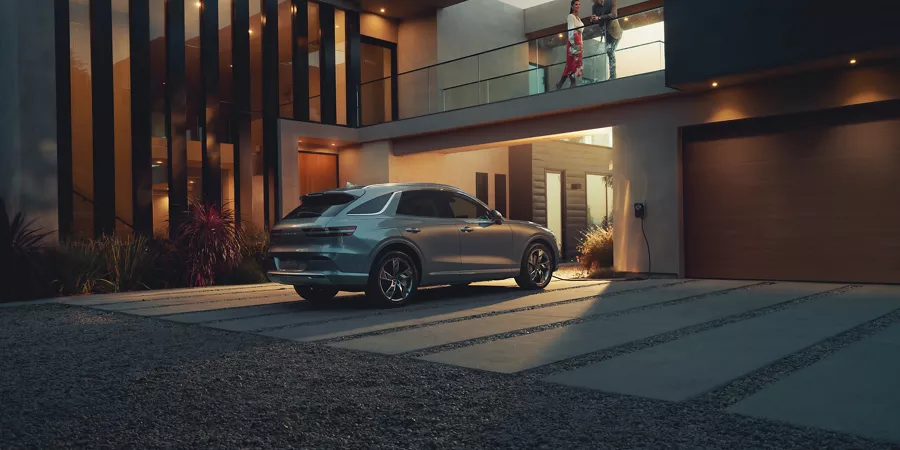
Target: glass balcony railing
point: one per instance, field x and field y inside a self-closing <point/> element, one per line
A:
<point x="528" y="68"/>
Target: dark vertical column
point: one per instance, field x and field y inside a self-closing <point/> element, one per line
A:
<point x="243" y="149"/>
<point x="300" y="58"/>
<point x="176" y="113"/>
<point x="326" y="65"/>
<point x="63" y="118"/>
<point x="270" y="110"/>
<point x="141" y="117"/>
<point x="209" y="74"/>
<point x="104" y="136"/>
<point x="521" y="183"/>
<point x="353" y="58"/>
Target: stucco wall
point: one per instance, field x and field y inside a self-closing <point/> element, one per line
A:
<point x="646" y="144"/>
<point x="378" y="27"/>
<point x="454" y="169"/>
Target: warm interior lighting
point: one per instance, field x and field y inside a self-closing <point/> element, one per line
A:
<point x="853" y="61"/>
<point x="250" y="31"/>
<point x="715" y="84"/>
<point x="199" y="4"/>
<point x="332" y="145"/>
<point x="626" y="19"/>
<point x="382" y="10"/>
<point x="560" y="34"/>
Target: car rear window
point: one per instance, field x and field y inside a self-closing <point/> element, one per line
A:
<point x="373" y="206"/>
<point x="321" y="205"/>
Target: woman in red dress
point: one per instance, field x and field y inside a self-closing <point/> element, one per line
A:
<point x="574" y="48"/>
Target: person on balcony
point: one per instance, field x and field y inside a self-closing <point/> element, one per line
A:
<point x="574" y="48"/>
<point x="604" y="14"/>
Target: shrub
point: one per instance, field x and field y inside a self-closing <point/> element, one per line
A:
<point x="596" y="248"/>
<point x="20" y="249"/>
<point x="208" y="243"/>
<point x="106" y="265"/>
<point x="77" y="267"/>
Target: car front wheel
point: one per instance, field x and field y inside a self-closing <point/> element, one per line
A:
<point x="537" y="268"/>
<point x="393" y="280"/>
<point x="315" y="294"/>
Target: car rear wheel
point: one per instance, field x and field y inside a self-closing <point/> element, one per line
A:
<point x="315" y="294"/>
<point x="537" y="268"/>
<point x="393" y="280"/>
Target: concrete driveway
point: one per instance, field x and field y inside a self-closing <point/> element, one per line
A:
<point x="820" y="355"/>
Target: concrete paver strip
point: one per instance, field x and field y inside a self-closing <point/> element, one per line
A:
<point x="237" y="313"/>
<point x="194" y="307"/>
<point x="536" y="349"/>
<point x="467" y="306"/>
<point x="219" y="298"/>
<point x="432" y="336"/>
<point x="856" y="391"/>
<point x="689" y="366"/>
<point x="103" y="299"/>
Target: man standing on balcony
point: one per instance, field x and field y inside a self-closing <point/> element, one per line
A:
<point x="604" y="15"/>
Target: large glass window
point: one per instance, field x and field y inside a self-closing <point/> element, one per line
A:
<point x="226" y="103"/>
<point x="315" y="44"/>
<point x="255" y="213"/>
<point x="82" y="119"/>
<point x="340" y="64"/>
<point x="285" y="60"/>
<point x="196" y="119"/>
<point x="122" y="116"/>
<point x="158" y="105"/>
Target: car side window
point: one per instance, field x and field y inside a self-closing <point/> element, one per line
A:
<point x="464" y="208"/>
<point x="373" y="206"/>
<point x="423" y="204"/>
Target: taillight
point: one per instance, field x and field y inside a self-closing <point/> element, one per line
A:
<point x="330" y="231"/>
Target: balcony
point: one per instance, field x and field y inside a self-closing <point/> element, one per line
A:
<point x="516" y="71"/>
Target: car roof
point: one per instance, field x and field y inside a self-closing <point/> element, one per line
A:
<point x="385" y="188"/>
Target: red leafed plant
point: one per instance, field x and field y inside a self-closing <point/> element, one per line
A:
<point x="209" y="242"/>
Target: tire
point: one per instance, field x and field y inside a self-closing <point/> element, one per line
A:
<point x="393" y="280"/>
<point x="315" y="294"/>
<point x="537" y="267"/>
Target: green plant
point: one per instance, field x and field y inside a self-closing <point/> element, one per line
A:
<point x="596" y="248"/>
<point x="130" y="262"/>
<point x="208" y="242"/>
<point x="255" y="243"/>
<point x="20" y="251"/>
<point x="78" y="268"/>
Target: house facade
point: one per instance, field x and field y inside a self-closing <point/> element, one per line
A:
<point x="760" y="148"/>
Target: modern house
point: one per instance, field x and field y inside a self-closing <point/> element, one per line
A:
<point x="764" y="142"/>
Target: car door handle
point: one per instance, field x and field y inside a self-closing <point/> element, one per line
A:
<point x="413" y="230"/>
<point x="466" y="229"/>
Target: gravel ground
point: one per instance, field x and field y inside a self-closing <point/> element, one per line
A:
<point x="72" y="377"/>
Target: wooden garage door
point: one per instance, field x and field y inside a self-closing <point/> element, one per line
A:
<point x="812" y="198"/>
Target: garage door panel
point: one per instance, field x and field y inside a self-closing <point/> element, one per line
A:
<point x="816" y="202"/>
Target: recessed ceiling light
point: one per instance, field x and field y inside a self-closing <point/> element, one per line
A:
<point x="199" y="4"/>
<point x="382" y="10"/>
<point x="159" y="162"/>
<point x="715" y="84"/>
<point x="332" y="145"/>
<point x="191" y="182"/>
<point x="853" y="61"/>
<point x="626" y="19"/>
<point x="560" y="34"/>
<point x="250" y="31"/>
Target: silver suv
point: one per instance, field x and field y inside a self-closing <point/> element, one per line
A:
<point x="390" y="239"/>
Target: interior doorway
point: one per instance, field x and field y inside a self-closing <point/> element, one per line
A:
<point x="378" y="78"/>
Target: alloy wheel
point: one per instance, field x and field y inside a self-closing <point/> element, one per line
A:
<point x="396" y="279"/>
<point x="539" y="266"/>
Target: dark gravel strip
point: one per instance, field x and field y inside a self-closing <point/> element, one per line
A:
<point x="496" y="313"/>
<point x="631" y="347"/>
<point x="566" y="323"/>
<point x="751" y="383"/>
<point x="80" y="378"/>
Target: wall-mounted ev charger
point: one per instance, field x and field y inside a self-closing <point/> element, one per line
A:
<point x="639" y="210"/>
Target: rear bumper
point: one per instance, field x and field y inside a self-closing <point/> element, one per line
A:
<point x="341" y="280"/>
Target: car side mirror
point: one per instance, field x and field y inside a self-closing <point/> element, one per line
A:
<point x="496" y="216"/>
